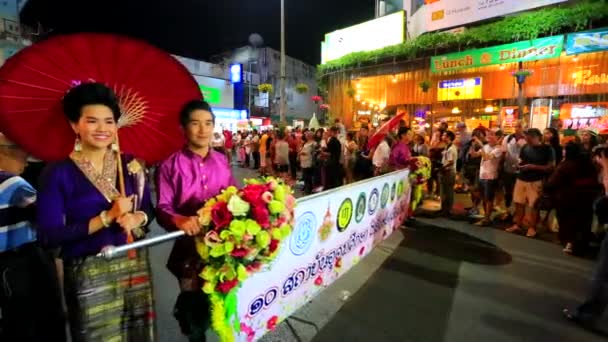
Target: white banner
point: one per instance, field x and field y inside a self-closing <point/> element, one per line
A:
<point x="441" y="14"/>
<point x="333" y="231"/>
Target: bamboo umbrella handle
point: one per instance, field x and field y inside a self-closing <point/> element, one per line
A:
<point x="121" y="184"/>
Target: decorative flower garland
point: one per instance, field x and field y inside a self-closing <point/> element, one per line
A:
<point x="245" y="229"/>
<point x="420" y="172"/>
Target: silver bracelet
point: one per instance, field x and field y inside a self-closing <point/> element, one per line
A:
<point x="145" y="218"/>
<point x="105" y="220"/>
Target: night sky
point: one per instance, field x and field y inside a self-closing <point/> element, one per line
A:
<point x="200" y="28"/>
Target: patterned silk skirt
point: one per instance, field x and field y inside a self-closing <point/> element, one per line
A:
<point x="110" y="301"/>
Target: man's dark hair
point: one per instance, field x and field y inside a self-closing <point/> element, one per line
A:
<point x="450" y="135"/>
<point x="402" y="131"/>
<point x="334" y="129"/>
<point x="185" y="113"/>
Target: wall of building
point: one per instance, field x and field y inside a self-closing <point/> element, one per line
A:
<point x="266" y="62"/>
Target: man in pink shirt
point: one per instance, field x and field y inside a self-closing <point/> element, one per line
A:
<point x="186" y="180"/>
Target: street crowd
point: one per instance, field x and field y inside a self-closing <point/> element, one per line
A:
<point x="53" y="226"/>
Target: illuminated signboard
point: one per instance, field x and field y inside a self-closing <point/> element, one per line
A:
<point x="236" y="73"/>
<point x="463" y="89"/>
<point x="217" y="92"/>
<point x="529" y="50"/>
<point x="590" y="41"/>
<point x="370" y="35"/>
<point x="442" y="14"/>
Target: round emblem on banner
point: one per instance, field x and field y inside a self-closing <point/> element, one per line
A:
<point x="360" y="208"/>
<point x="374" y="199"/>
<point x="303" y="234"/>
<point x="345" y="214"/>
<point x="393" y="191"/>
<point x="385" y="195"/>
<point x="400" y="189"/>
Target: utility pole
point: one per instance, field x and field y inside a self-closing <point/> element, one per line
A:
<point x="283" y="97"/>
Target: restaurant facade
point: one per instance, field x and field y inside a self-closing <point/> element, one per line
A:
<point x="559" y="80"/>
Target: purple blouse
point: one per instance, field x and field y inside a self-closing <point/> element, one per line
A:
<point x="67" y="201"/>
<point x="400" y="155"/>
<point x="185" y="182"/>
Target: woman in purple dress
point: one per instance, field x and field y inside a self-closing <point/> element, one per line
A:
<point x="81" y="211"/>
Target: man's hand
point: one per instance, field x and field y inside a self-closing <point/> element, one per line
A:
<point x="188" y="224"/>
<point x="128" y="222"/>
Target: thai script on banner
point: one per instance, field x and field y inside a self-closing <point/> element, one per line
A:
<point x="530" y="50"/>
<point x="332" y="232"/>
<point x="589" y="41"/>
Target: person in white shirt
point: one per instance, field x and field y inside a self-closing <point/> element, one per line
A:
<point x="381" y="156"/>
<point x="512" y="145"/>
<point x="448" y="173"/>
<point x="491" y="155"/>
<point x="306" y="156"/>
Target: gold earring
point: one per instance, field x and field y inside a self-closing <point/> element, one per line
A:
<point x="77" y="144"/>
<point x="114" y="147"/>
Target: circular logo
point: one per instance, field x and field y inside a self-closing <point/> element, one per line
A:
<point x="384" y="196"/>
<point x="393" y="191"/>
<point x="400" y="189"/>
<point x="360" y="208"/>
<point x="373" y="202"/>
<point x="303" y="234"/>
<point x="345" y="214"/>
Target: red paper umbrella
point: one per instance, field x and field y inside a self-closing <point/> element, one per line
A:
<point x="151" y="85"/>
<point x="384" y="129"/>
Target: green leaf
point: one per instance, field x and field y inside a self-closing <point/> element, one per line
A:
<point x="217" y="251"/>
<point x="252" y="227"/>
<point x="242" y="273"/>
<point x="237" y="228"/>
<point x="276" y="207"/>
<point x="263" y="239"/>
<point x="229" y="247"/>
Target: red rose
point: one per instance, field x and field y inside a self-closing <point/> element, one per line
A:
<point x="261" y="215"/>
<point x="254" y="267"/>
<point x="272" y="323"/>
<point x="362" y="250"/>
<point x="319" y="281"/>
<point x="220" y="215"/>
<point x="239" y="252"/>
<point x="338" y="262"/>
<point x="274" y="244"/>
<point x="226" y="286"/>
<point x="252" y="193"/>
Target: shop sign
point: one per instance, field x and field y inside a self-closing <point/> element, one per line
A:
<point x="212" y="95"/>
<point x="587" y="77"/>
<point x="596" y="40"/>
<point x="530" y="50"/>
<point x="462" y="89"/>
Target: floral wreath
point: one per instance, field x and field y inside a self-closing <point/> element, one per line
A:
<point x="244" y="230"/>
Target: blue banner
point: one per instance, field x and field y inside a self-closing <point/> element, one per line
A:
<point x="589" y="41"/>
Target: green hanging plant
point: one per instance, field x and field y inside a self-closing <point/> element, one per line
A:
<point x="265" y="88"/>
<point x="425" y="86"/>
<point x="302" y="88"/>
<point x="351" y="92"/>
